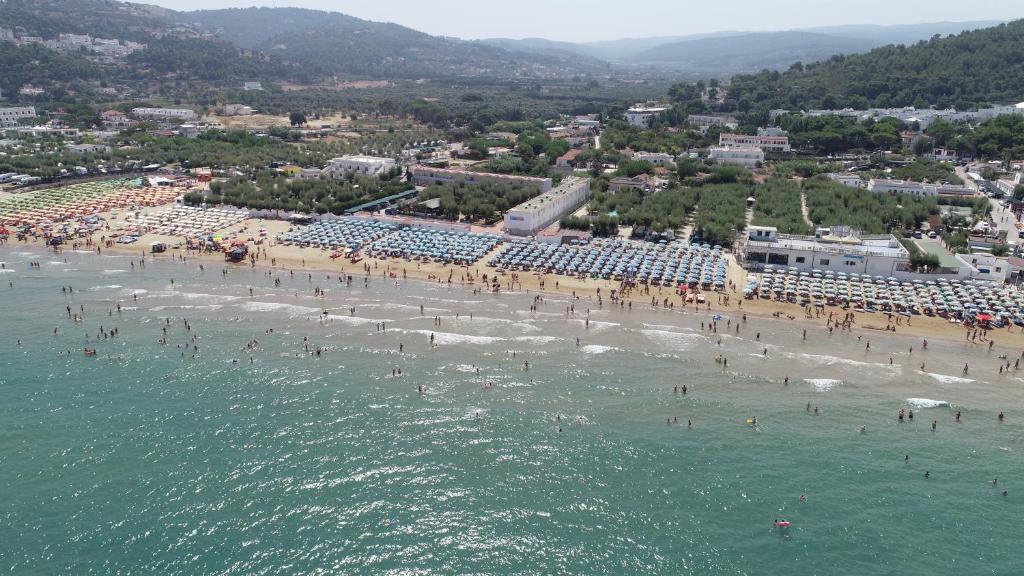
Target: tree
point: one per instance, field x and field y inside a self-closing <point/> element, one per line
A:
<point x="297" y="118"/>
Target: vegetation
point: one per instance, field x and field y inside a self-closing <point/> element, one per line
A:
<point x="778" y="204"/>
<point x="923" y="169"/>
<point x="803" y="168"/>
<point x="721" y="213"/>
<point x="272" y="191"/>
<point x="482" y="201"/>
<point x="660" y="211"/>
<point x="920" y="261"/>
<point x="963" y="71"/>
<point x="833" y="204"/>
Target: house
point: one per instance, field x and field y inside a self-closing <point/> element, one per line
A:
<point x="645" y="183"/>
<point x="338" y="168"/>
<point x="897" y="187"/>
<point x="308" y="174"/>
<point x="746" y="156"/>
<point x="47" y="131"/>
<point x="542" y="211"/>
<point x="252" y="85"/>
<point x="117" y="120"/>
<point x="567" y="162"/>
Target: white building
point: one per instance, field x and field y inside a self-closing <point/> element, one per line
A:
<point x="656" y="158"/>
<point x="874" y="255"/>
<point x="746" y="156"/>
<point x="237" y="110"/>
<point x="164" y="113"/>
<point x="47" y="132"/>
<point x="705" y="121"/>
<point x="640" y="115"/>
<point x="917" y="189"/>
<point x="846" y="179"/>
<point x="87" y="148"/>
<point x="542" y="211"/>
<point x="352" y="164"/>
<point x="898" y="187"/>
<point x="9" y="116"/>
<point x="425" y="176"/>
<point x="766" y="143"/>
<point x="249" y="86"/>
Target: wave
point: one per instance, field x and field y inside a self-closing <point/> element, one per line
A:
<point x="355" y="320"/>
<point x="925" y="403"/>
<point x="823" y="384"/>
<point x="946" y="379"/>
<point x="597" y="349"/>
<point x="442" y="338"/>
<point x="675" y="339"/>
<point x="112" y="272"/>
<point x="537" y="339"/>
<point x="833" y="360"/>
<point x="110" y="287"/>
<point x="291" y="309"/>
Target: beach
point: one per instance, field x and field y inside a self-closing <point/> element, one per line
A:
<point x="183" y="446"/>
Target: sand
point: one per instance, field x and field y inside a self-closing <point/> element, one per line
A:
<point x="311" y="260"/>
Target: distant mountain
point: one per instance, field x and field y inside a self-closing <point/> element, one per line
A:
<point x="749" y="52"/>
<point x="902" y="33"/>
<point x="970" y="69"/>
<point x="327" y="43"/>
<point x="645" y="50"/>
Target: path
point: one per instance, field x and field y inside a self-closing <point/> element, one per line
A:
<point x="804" y="210"/>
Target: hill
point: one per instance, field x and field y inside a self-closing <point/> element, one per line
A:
<point x="964" y="71"/>
<point x="331" y="43"/>
<point x="902" y="33"/>
<point x="749" y="52"/>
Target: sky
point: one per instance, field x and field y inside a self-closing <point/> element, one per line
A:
<point x="589" y="20"/>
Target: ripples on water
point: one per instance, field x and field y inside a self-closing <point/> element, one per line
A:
<point x="144" y="461"/>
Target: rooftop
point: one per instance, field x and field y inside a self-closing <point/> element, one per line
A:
<point x="886" y="246"/>
<point x="567" y="186"/>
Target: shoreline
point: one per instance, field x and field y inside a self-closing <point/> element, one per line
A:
<point x="313" y="260"/>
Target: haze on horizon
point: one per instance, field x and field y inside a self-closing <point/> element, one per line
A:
<point x="592" y="20"/>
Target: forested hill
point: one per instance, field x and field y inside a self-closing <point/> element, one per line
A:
<point x="333" y="43"/>
<point x="963" y="71"/>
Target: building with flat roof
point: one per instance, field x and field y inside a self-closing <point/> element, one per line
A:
<point x="746" y="156"/>
<point x="9" y="116"/>
<point x="540" y="212"/>
<point x="917" y="189"/>
<point x="640" y="115"/>
<point x="705" y="121"/>
<point x="425" y="176"/>
<point x="881" y="255"/>
<point x="357" y="164"/>
<point x="767" y="143"/>
<point x="656" y="158"/>
<point x="164" y="113"/>
<point x="847" y="179"/>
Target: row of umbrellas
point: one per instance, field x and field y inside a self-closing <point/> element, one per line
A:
<point x="343" y="233"/>
<point x="962" y="299"/>
<point x="190" y="220"/>
<point x="449" y="247"/>
<point x="665" y="263"/>
<point x="76" y="200"/>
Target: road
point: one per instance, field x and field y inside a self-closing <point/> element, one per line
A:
<point x="1003" y="217"/>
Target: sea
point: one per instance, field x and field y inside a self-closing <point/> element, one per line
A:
<point x="505" y="447"/>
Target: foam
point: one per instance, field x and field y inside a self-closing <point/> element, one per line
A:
<point x="925" y="403"/>
<point x="537" y="339"/>
<point x="823" y="384"/>
<point x="112" y="272"/>
<point x="354" y="320"/>
<point x="946" y="379"/>
<point x="833" y="360"/>
<point x="110" y="287"/>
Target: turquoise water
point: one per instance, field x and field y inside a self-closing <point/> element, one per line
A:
<point x="144" y="459"/>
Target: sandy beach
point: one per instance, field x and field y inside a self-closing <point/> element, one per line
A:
<point x="310" y="260"/>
